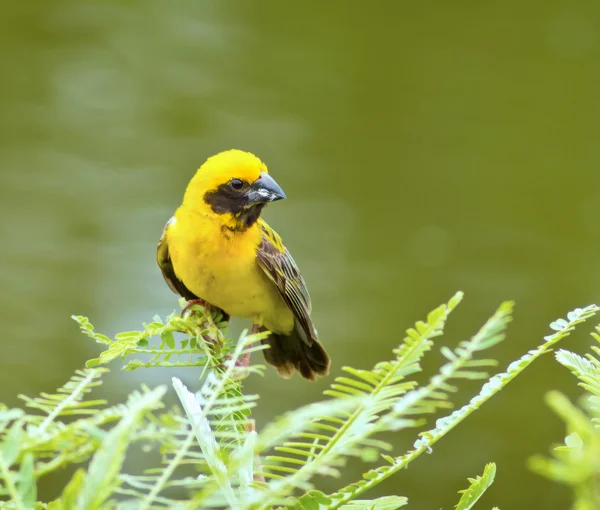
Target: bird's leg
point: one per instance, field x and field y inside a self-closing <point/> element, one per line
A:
<point x="207" y="307"/>
<point x="193" y="302"/>
<point x="211" y="309"/>
<point x="244" y="361"/>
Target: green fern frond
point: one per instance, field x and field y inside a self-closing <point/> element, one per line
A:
<point x="56" y="444"/>
<point x="324" y="443"/>
<point x="68" y="400"/>
<point x="77" y="441"/>
<point x="207" y="441"/>
<point x="11" y="486"/>
<point x="158" y="344"/>
<point x="64" y="444"/>
<point x="385" y="375"/>
<point x="383" y="503"/>
<point x="53" y="442"/>
<point x="313" y="500"/>
<point x="210" y="450"/>
<point x="373" y="477"/>
<point x="216" y="424"/>
<point x="576" y="462"/>
<point x="587" y="370"/>
<point x="20" y="486"/>
<point x="103" y="473"/>
<point x="461" y="365"/>
<point x="477" y="488"/>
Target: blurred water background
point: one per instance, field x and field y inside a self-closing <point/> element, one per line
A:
<point x="424" y="147"/>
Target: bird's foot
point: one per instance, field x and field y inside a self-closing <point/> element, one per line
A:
<point x="193" y="302"/>
<point x="244" y="361"/>
<point x="208" y="308"/>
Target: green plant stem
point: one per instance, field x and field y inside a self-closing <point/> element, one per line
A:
<point x="290" y="482"/>
<point x="10" y="486"/>
<point x="73" y="396"/>
<point x="165" y="364"/>
<point x="61" y="461"/>
<point x="434" y="435"/>
<point x="177" y="352"/>
<point x="167" y="472"/>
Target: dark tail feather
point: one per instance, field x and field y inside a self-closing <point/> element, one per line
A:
<point x="288" y="353"/>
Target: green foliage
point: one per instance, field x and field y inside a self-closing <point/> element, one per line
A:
<point x="207" y="454"/>
<point x="478" y="486"/>
<point x="576" y="463"/>
<point x="158" y="345"/>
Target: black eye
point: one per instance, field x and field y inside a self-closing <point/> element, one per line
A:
<point x="236" y="184"/>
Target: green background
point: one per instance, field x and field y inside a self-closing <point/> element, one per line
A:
<point x="425" y="147"/>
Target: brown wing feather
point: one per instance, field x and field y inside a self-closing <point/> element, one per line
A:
<point x="166" y="266"/>
<point x="277" y="262"/>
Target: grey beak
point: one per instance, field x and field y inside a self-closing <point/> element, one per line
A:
<point x="265" y="189"/>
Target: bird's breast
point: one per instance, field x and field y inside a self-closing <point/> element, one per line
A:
<point x="222" y="269"/>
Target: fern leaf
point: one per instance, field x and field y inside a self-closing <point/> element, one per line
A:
<point x="157" y="340"/>
<point x="209" y="451"/>
<point x="69" y="398"/>
<point x="314" y="500"/>
<point x="71" y="443"/>
<point x="587" y="370"/>
<point x="383" y="503"/>
<point x="9" y="452"/>
<point x="326" y="442"/>
<point x="576" y="462"/>
<point x="207" y="441"/>
<point x="427" y="439"/>
<point x="216" y="422"/>
<point x="477" y="487"/>
<point x="27" y="487"/>
<point x="460" y="365"/>
<point x="102" y="475"/>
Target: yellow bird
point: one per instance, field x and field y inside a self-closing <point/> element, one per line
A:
<point x="216" y="250"/>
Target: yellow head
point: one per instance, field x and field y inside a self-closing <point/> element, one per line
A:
<point x="232" y="186"/>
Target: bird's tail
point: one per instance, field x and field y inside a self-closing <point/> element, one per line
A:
<point x="289" y="352"/>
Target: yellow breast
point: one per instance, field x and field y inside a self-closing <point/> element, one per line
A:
<point x="220" y="267"/>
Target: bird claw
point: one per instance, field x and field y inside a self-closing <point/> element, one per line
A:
<point x="209" y="309"/>
<point x="242" y="363"/>
<point x="193" y="302"/>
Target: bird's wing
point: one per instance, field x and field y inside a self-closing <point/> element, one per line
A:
<point x="166" y="266"/>
<point x="278" y="264"/>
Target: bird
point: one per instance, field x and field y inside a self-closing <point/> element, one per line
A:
<point x="216" y="250"/>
